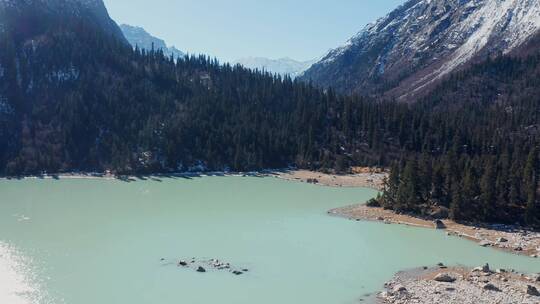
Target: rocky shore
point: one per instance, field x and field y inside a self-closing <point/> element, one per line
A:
<point x="509" y="238"/>
<point x="443" y="285"/>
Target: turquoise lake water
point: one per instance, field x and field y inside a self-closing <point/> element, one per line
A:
<point x="101" y="241"/>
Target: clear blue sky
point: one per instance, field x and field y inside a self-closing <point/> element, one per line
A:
<point x="230" y="29"/>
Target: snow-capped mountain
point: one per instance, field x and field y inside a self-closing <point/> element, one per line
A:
<point x="421" y="41"/>
<point x="137" y="36"/>
<point x="282" y="66"/>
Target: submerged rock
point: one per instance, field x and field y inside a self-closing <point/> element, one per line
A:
<point x="182" y="263"/>
<point x="485" y="243"/>
<point x="201" y="269"/>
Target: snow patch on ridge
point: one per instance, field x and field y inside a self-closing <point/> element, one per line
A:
<point x="423" y="40"/>
<point x="518" y="18"/>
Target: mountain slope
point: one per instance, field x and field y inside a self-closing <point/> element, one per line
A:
<point x="420" y="42"/>
<point x="91" y="11"/>
<point x="282" y="66"/>
<point x="138" y="37"/>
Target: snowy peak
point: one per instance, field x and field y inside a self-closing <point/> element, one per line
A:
<point x="282" y="66"/>
<point x="139" y="37"/>
<point x="424" y="40"/>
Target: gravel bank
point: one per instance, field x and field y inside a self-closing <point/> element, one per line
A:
<point x="363" y="178"/>
<point x="461" y="285"/>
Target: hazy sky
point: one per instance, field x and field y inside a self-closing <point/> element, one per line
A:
<point x="231" y="29"/>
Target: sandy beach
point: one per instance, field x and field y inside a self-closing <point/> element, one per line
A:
<point x="363" y="177"/>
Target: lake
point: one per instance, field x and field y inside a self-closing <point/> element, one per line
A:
<point x="88" y="241"/>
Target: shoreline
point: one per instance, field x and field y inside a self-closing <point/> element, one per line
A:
<point x="511" y="239"/>
<point x="449" y="285"/>
<point x="367" y="179"/>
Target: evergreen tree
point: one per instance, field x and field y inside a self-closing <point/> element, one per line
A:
<point x="408" y="197"/>
<point x="530" y="181"/>
<point x="487" y="188"/>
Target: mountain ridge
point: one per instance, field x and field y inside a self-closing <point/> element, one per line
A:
<point x="282" y="66"/>
<point x="421" y="41"/>
<point x="139" y="37"/>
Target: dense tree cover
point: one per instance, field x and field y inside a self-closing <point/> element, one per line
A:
<point x="76" y="98"/>
<point x="476" y="147"/>
<point x="73" y="97"/>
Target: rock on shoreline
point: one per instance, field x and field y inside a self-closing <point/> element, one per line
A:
<point x="461" y="285"/>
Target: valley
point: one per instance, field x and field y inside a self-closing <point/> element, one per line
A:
<point x="134" y="172"/>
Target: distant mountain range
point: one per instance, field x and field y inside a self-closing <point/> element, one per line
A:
<point x="139" y="37"/>
<point x="416" y="45"/>
<point x="282" y="66"/>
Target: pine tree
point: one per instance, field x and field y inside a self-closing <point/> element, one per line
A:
<point x="391" y="185"/>
<point x="408" y="197"/>
<point x="456" y="205"/>
<point x="530" y="181"/>
<point x="488" y="191"/>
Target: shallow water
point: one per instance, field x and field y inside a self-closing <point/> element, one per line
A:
<point x="102" y="241"/>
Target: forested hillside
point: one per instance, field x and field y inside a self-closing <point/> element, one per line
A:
<point x="486" y="167"/>
<point x="76" y="97"/>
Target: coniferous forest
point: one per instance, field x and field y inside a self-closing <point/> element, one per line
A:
<point x="76" y="98"/>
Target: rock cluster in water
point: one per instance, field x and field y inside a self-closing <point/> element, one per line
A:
<point x="203" y="266"/>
